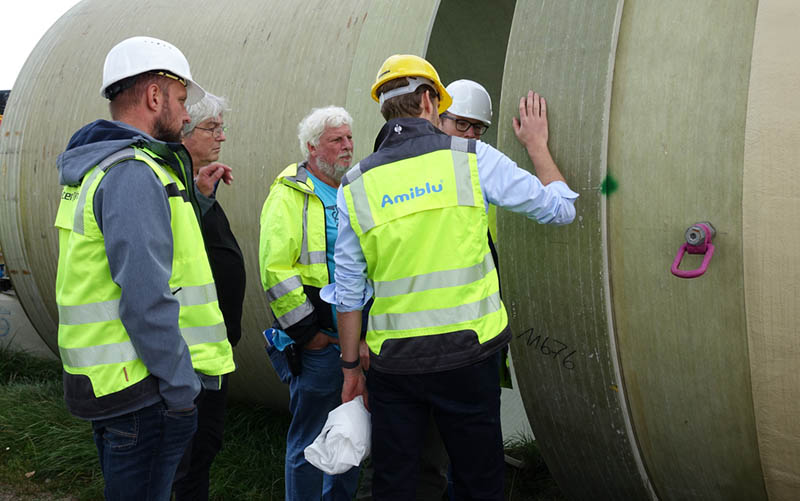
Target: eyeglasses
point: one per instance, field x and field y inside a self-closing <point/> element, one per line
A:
<point x="464" y="125"/>
<point x="217" y="131"/>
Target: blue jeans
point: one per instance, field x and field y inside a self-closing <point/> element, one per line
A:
<point x="312" y="395"/>
<point x="139" y="452"/>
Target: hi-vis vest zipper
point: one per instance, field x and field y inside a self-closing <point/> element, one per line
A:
<point x="91" y="338"/>
<point x="435" y="304"/>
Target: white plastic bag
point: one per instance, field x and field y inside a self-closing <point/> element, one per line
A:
<point x="344" y="440"/>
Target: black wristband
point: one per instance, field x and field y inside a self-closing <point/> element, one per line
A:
<point x="350" y="365"/>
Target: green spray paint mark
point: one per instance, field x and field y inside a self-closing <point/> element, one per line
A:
<point x="609" y="185"/>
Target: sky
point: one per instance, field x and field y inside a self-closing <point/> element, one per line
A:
<point x="22" y="24"/>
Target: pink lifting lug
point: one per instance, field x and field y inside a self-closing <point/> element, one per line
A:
<point x="698" y="241"/>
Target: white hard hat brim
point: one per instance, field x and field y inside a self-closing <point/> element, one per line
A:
<point x="194" y="93"/>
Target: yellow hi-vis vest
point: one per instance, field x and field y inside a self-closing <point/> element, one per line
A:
<point x="292" y="247"/>
<point x="92" y="340"/>
<point x="422" y="227"/>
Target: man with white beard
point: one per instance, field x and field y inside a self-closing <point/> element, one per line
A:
<point x="299" y="226"/>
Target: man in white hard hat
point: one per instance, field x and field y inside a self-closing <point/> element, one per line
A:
<point x="412" y="235"/>
<point x="140" y="332"/>
<point x="471" y="112"/>
<point x="469" y="116"/>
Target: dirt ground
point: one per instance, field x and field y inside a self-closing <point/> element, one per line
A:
<point x="7" y="494"/>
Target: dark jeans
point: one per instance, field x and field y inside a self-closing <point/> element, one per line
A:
<point x="140" y="451"/>
<point x="465" y="404"/>
<point x="191" y="479"/>
<point x="433" y="469"/>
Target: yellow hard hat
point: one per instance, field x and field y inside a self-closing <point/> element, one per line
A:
<point x="407" y="65"/>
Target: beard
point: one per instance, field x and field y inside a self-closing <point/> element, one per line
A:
<point x="166" y="129"/>
<point x="333" y="171"/>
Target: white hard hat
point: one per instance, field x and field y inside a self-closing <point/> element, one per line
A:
<point x="470" y="100"/>
<point x="136" y="55"/>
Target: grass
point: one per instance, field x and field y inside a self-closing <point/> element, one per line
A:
<point x="250" y="465"/>
<point x="532" y="481"/>
<point x="42" y="447"/>
<point x="38" y="435"/>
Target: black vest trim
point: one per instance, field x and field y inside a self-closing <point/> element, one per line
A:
<point x="425" y="354"/>
<point x="173" y="191"/>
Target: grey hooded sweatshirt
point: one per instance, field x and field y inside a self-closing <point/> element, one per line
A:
<point x="132" y="210"/>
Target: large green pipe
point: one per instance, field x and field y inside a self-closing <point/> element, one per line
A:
<point x="667" y="387"/>
<point x="662" y="114"/>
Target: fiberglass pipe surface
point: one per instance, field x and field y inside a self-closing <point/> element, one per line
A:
<point x="638" y="383"/>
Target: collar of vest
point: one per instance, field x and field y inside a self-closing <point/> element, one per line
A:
<point x="297" y="180"/>
<point x="398" y="130"/>
<point x="171" y="154"/>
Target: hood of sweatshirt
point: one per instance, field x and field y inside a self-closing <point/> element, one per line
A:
<point x="94" y="142"/>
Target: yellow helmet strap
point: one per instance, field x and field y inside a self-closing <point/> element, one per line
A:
<point x="413" y="83"/>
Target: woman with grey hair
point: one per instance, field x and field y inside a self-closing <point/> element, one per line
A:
<point x="203" y="138"/>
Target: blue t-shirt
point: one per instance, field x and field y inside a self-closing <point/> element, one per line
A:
<point x="327" y="194"/>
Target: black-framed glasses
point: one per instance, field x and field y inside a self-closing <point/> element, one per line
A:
<point x="464" y="125"/>
<point x="217" y="131"/>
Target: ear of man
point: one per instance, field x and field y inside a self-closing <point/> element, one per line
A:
<point x="155" y="97"/>
<point x="430" y="109"/>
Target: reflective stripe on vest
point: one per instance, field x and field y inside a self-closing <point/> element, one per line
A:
<point x="435" y="318"/>
<point x="109" y="310"/>
<point x="196" y="294"/>
<point x="460" y="150"/>
<point x="88" y="313"/>
<point x="125" y="352"/>
<point x="281" y="289"/>
<point x="316" y="257"/>
<point x="293" y="316"/>
<point x="435" y="280"/>
<point x="121" y="155"/>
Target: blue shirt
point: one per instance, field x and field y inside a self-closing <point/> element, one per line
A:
<point x="503" y="183"/>
<point x="327" y="194"/>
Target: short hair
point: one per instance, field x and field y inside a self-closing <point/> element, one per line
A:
<point x="133" y="90"/>
<point x="210" y="106"/>
<point x="314" y="124"/>
<point x="404" y="105"/>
